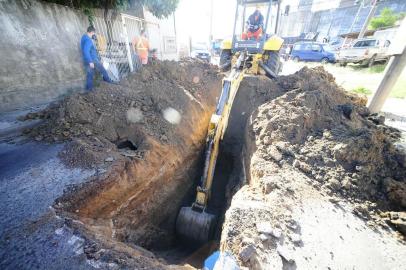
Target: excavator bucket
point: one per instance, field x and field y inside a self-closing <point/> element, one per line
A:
<point x="195" y="226"/>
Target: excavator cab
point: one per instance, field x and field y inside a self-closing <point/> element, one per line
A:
<point x="261" y="52"/>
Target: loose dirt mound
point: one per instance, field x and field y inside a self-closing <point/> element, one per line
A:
<point x="144" y="137"/>
<point x="114" y="120"/>
<point x="316" y="160"/>
<point x="329" y="135"/>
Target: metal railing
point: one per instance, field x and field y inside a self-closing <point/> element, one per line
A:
<point x="115" y="43"/>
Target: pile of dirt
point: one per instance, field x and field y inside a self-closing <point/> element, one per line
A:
<point x="316" y="147"/>
<point x="330" y="136"/>
<point x="144" y="138"/>
<point x="114" y="120"/>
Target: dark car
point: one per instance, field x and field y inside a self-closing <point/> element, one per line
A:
<point x="200" y="50"/>
<point x="201" y="54"/>
<point x="313" y="51"/>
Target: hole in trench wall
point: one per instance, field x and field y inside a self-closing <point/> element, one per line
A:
<point x="126" y="145"/>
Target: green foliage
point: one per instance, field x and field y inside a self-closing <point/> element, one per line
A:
<point x="89" y="13"/>
<point x="362" y="90"/>
<point x="377" y="68"/>
<point x="160" y="8"/>
<point x="386" y="19"/>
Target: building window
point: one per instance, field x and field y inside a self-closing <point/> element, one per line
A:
<point x="170" y="44"/>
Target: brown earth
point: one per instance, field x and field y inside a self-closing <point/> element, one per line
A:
<point x="99" y="121"/>
<point x="313" y="142"/>
<point x="144" y="137"/>
<point x="305" y="138"/>
<point x="329" y="135"/>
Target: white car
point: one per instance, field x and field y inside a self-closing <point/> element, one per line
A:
<point x="364" y="51"/>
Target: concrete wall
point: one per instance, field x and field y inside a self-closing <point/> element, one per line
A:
<point x="39" y="52"/>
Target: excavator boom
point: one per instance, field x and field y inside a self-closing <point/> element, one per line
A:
<point x="194" y="223"/>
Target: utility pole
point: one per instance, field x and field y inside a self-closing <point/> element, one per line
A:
<point x="368" y="19"/>
<point x="392" y="71"/>
<point x="361" y="5"/>
<point x="211" y="25"/>
<point x="278" y="16"/>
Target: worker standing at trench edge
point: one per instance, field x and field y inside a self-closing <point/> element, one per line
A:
<point x="141" y="46"/>
<point x="91" y="58"/>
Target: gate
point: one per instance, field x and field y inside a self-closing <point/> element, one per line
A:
<point x="115" y="43"/>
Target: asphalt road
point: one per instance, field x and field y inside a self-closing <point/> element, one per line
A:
<point x="31" y="236"/>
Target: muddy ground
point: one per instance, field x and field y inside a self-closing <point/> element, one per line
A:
<point x="298" y="152"/>
<point x="314" y="155"/>
<point x="144" y="138"/>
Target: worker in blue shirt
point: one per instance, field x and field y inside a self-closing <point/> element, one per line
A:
<point x="91" y="58"/>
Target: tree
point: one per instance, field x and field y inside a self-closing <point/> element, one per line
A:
<point x="159" y="8"/>
<point x="387" y="18"/>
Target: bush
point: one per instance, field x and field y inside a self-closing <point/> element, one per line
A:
<point x="386" y="19"/>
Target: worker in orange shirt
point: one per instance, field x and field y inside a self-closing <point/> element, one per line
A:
<point x="141" y="46"/>
<point x="255" y="23"/>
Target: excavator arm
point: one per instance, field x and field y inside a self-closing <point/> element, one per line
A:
<point x="216" y="130"/>
<point x="194" y="223"/>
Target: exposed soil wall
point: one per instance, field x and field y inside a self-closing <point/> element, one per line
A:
<point x="294" y="147"/>
<point x="311" y="146"/>
<point x="145" y="137"/>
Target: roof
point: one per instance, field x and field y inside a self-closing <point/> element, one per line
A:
<point x="355" y="34"/>
<point x="367" y="33"/>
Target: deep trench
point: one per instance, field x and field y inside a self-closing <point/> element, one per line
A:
<point x="158" y="235"/>
<point x="230" y="175"/>
<point x="183" y="252"/>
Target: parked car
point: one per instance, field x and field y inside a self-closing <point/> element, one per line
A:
<point x="313" y="51"/>
<point x="201" y="52"/>
<point x="364" y="51"/>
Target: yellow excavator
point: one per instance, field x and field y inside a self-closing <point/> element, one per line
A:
<point x="241" y="57"/>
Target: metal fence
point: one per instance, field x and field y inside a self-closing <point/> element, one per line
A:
<point x="115" y="43"/>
